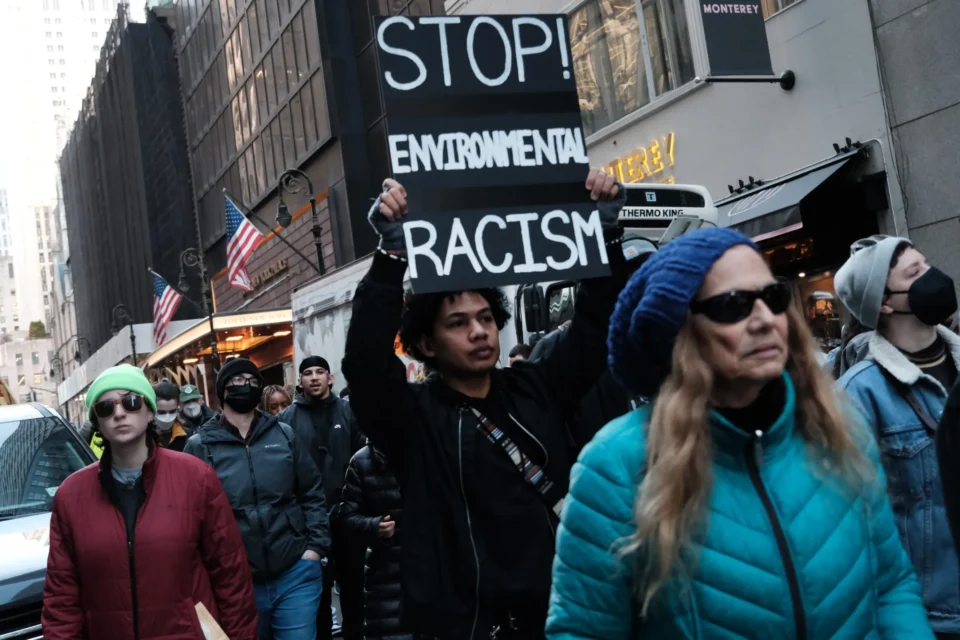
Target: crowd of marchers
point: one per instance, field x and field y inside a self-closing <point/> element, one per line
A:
<point x="675" y="462"/>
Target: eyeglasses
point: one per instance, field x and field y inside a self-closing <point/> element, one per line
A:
<point x="131" y="403"/>
<point x="734" y="306"/>
<point x="239" y="381"/>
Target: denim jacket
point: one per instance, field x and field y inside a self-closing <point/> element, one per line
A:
<point x="910" y="461"/>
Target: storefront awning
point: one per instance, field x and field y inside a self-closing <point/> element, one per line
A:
<point x="775" y="208"/>
<point x="221" y="322"/>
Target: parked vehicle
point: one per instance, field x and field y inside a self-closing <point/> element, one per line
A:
<point x="38" y="450"/>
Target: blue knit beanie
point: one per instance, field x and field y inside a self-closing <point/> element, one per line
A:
<point x="654" y="304"/>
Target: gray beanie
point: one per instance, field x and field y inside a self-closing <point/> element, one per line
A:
<point x="862" y="280"/>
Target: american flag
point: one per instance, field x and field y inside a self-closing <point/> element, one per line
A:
<point x="165" y="303"/>
<point x="242" y="240"/>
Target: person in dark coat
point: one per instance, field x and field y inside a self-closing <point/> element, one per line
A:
<point x="194" y="412"/>
<point x="479" y="532"/>
<point x="326" y="425"/>
<point x="947" y="441"/>
<point x="139" y="539"/>
<point x="277" y="497"/>
<point x="371" y="509"/>
<point x="171" y="432"/>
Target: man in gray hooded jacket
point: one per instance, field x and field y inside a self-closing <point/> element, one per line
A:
<point x="326" y="426"/>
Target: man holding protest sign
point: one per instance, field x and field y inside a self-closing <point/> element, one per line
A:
<point x="482" y="453"/>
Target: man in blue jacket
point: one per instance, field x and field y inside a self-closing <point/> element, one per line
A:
<point x="902" y="387"/>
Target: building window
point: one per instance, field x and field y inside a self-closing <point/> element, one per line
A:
<point x="611" y="64"/>
<point x="19" y="359"/>
<point x="35" y="357"/>
<point x="49" y="34"/>
<point x="771" y="7"/>
<point x="38" y="378"/>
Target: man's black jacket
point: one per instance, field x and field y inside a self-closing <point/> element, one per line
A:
<point x="328" y="431"/>
<point x="370" y="493"/>
<point x="431" y="443"/>
<point x="274" y="490"/>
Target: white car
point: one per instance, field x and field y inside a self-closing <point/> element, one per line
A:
<point x="38" y="450"/>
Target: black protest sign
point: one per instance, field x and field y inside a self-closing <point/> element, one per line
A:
<point x="736" y="36"/>
<point x="484" y="132"/>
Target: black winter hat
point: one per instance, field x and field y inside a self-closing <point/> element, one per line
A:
<point x="232" y="368"/>
<point x="313" y="361"/>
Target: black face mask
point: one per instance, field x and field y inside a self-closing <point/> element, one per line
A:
<point x="244" y="398"/>
<point x="931" y="297"/>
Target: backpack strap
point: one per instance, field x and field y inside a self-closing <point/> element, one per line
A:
<point x="907" y="394"/>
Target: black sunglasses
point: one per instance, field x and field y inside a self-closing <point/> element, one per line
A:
<point x="734" y="306"/>
<point x="131" y="403"/>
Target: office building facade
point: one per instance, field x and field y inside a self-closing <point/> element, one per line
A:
<point x="271" y="85"/>
<point x="126" y="179"/>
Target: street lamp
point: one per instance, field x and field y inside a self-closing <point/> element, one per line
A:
<point x="57" y="365"/>
<point x="294" y="181"/>
<point x="122" y="317"/>
<point x="78" y="354"/>
<point x="193" y="258"/>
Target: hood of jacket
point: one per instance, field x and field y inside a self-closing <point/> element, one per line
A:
<point x="303" y="400"/>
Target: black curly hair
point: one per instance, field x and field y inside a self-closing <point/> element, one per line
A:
<point x="420" y="313"/>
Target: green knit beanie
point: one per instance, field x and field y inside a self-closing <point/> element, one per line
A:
<point x="123" y="377"/>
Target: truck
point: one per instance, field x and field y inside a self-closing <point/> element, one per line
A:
<point x="653" y="215"/>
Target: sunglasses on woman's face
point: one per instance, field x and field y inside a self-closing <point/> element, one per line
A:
<point x="131" y="403"/>
<point x="734" y="306"/>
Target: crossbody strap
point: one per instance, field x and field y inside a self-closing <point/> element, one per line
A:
<point x="530" y="471"/>
<point x="907" y="394"/>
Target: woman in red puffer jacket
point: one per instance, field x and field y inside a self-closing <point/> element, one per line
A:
<point x="138" y="540"/>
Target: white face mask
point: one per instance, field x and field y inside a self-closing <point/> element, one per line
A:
<point x="191" y="410"/>
<point x="165" y="420"/>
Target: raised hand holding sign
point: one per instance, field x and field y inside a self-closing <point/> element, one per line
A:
<point x="485" y="133"/>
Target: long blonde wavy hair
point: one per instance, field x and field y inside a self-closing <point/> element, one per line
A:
<point x="672" y="499"/>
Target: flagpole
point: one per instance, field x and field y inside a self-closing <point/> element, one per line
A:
<point x="208" y="315"/>
<point x="182" y="294"/>
<point x="256" y="217"/>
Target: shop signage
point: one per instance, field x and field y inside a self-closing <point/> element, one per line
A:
<point x="484" y="131"/>
<point x="270" y="272"/>
<point x="736" y="36"/>
<point x="647" y="163"/>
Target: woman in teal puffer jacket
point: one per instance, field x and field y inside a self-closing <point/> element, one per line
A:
<point x="746" y="501"/>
